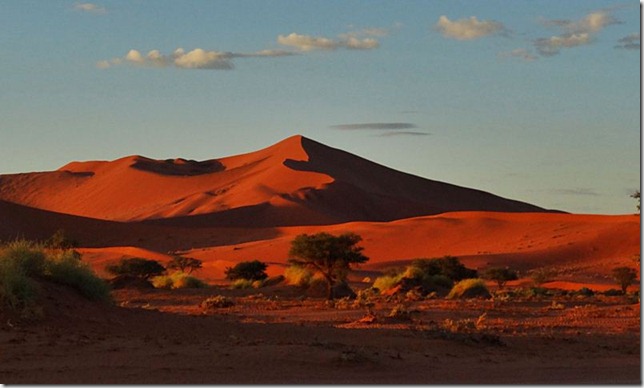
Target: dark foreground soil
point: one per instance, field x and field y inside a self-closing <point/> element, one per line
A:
<point x="164" y="337"/>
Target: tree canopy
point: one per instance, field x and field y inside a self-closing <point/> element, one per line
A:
<point x="184" y="263"/>
<point x="500" y="275"/>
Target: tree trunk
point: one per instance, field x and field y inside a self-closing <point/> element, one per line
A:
<point x="329" y="289"/>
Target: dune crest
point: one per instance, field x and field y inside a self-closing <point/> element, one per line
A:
<point x="296" y="181"/>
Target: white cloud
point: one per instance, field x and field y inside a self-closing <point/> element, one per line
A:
<point x="194" y="59"/>
<point x="202" y="59"/>
<point x="591" y="23"/>
<point x="306" y="42"/>
<point x="355" y="40"/>
<point x="575" y="32"/>
<point x="467" y="29"/>
<point x="90" y="8"/>
<point x="354" y="43"/>
<point x="519" y="53"/>
<point x="554" y="44"/>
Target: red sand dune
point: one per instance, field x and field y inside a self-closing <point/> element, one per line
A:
<point x="294" y="182"/>
<point x="251" y="206"/>
<point x="584" y="246"/>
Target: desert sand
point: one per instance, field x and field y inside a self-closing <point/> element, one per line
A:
<point x="247" y="207"/>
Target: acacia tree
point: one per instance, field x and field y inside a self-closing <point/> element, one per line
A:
<point x="184" y="263"/>
<point x="329" y="255"/>
<point x="624" y="276"/>
<point x="500" y="275"/>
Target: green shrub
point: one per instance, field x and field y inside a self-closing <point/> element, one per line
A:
<point x="249" y="270"/>
<point x="447" y="266"/>
<point x="162" y="281"/>
<point x="298" y="276"/>
<point x="28" y="256"/>
<point x="176" y="281"/>
<point x="241" y="284"/>
<point x="386" y="282"/>
<point x="21" y="261"/>
<point x="469" y="288"/>
<point x="17" y="291"/>
<point x="187" y="281"/>
<point x="217" y="301"/>
<point x="66" y="268"/>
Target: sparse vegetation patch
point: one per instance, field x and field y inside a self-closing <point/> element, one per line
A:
<point x="469" y="288"/>
<point x="21" y="262"/>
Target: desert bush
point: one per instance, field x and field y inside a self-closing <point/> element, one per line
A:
<point x="249" y="270"/>
<point x="217" y="301"/>
<point x="448" y="266"/>
<point x="612" y="292"/>
<point x="187" y="281"/>
<point x="162" y="281"/>
<point x="536" y="291"/>
<point x="17" y="291"/>
<point x="500" y="275"/>
<point x="177" y="280"/>
<point x="366" y="298"/>
<point x="241" y="284"/>
<point x="585" y="291"/>
<point x="298" y="276"/>
<point x="469" y="288"/>
<point x="28" y="256"/>
<point x="386" y="282"/>
<point x="425" y="274"/>
<point x="66" y="268"/>
<point x="21" y="261"/>
<point x="138" y="267"/>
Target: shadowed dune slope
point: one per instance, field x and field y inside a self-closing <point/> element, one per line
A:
<point x="18" y="221"/>
<point x="294" y="182"/>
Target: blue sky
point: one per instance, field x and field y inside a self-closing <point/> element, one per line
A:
<point x="532" y="100"/>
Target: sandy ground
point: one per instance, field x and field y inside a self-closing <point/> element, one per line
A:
<point x="277" y="336"/>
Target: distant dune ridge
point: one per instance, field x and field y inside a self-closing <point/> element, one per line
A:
<point x="295" y="182"/>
